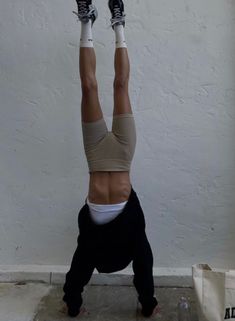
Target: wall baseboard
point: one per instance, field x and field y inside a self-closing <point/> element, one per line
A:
<point x="55" y="274"/>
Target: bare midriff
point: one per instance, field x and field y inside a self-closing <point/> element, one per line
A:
<point x="109" y="187"/>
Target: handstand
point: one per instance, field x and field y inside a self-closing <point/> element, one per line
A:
<point x="111" y="223"/>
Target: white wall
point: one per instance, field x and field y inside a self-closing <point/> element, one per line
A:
<point x="183" y="93"/>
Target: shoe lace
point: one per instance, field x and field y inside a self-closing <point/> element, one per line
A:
<point x="118" y="16"/>
<point x="83" y="11"/>
<point x="117" y="12"/>
<point x="82" y="7"/>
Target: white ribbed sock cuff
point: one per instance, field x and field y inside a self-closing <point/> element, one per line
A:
<point x="86" y="39"/>
<point x="120" y="36"/>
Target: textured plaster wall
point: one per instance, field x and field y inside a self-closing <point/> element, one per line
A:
<point x="183" y="92"/>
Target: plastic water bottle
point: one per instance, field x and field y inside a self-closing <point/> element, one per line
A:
<point x="184" y="313"/>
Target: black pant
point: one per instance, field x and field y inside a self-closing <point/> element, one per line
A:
<point x="109" y="248"/>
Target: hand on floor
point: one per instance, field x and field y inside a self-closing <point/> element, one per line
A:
<point x="64" y="310"/>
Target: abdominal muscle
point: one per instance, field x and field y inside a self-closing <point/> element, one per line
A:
<point x="109" y="187"/>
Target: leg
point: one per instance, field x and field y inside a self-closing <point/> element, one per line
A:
<point x="123" y="126"/>
<point x="143" y="276"/>
<point x="122" y="103"/>
<point x="121" y="61"/>
<point x="91" y="110"/>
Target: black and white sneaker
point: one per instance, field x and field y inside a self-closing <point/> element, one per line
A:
<point x="86" y="11"/>
<point x="117" y="10"/>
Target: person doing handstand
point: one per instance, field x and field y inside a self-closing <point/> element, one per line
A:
<point x="111" y="222"/>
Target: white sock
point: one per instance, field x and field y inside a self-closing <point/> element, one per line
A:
<point x="120" y="37"/>
<point x="86" y="39"/>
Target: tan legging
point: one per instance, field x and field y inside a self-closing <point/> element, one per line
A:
<point x="110" y="151"/>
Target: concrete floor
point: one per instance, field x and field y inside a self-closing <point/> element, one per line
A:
<point x="42" y="302"/>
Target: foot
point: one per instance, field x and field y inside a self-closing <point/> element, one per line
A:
<point x="86" y="11"/>
<point x="117" y="10"/>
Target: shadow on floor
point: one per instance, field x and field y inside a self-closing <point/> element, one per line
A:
<point x="116" y="303"/>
